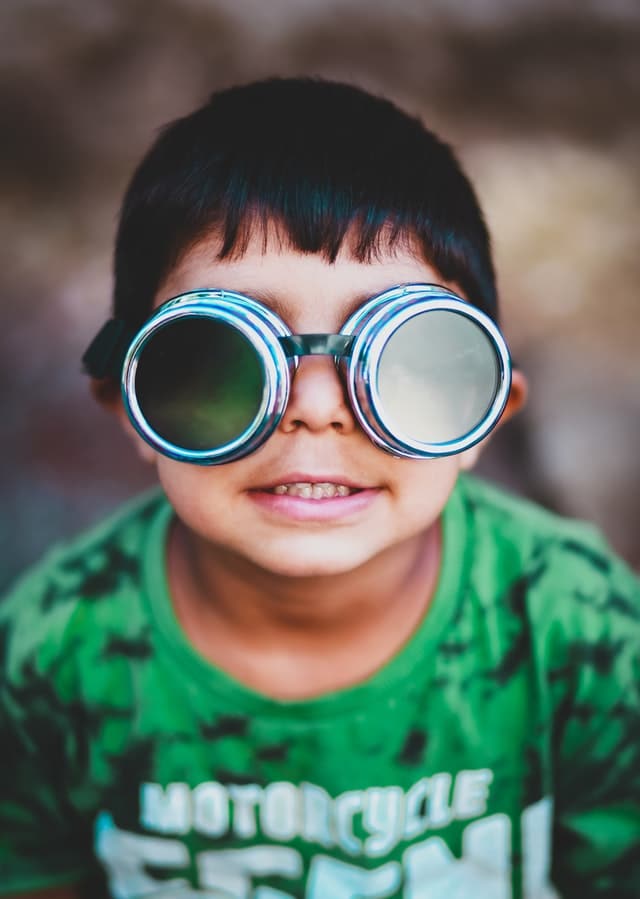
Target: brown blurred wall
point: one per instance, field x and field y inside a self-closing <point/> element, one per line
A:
<point x="541" y="101"/>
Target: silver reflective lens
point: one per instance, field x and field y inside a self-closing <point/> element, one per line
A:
<point x="428" y="373"/>
<point x="437" y="377"/>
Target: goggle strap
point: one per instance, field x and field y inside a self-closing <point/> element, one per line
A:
<point x="317" y="344"/>
<point x="106" y="352"/>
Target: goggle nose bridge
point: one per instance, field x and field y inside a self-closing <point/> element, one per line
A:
<point x="317" y="344"/>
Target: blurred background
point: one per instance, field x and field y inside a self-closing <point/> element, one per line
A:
<point x="541" y="101"/>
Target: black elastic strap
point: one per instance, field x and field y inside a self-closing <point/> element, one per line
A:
<point x="106" y="352"/>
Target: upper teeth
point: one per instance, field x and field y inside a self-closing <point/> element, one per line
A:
<point x="313" y="491"/>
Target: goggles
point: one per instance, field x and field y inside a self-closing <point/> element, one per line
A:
<point x="206" y="379"/>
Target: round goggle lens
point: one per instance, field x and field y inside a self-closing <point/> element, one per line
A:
<point x="199" y="383"/>
<point x="438" y="377"/>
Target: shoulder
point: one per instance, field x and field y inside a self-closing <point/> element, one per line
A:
<point x="563" y="571"/>
<point x="58" y="602"/>
<point x="560" y="607"/>
<point x="519" y="518"/>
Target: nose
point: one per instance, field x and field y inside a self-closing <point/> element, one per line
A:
<point x="318" y="400"/>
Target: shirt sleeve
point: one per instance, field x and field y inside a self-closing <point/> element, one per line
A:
<point x="42" y="842"/>
<point x="595" y="676"/>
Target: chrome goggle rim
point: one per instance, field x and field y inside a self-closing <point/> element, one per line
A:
<point x="373" y="325"/>
<point x="264" y="329"/>
<point x="260" y="327"/>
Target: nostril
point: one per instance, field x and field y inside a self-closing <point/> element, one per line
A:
<point x="317" y="399"/>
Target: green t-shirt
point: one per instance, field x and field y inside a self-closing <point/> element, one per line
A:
<point x="497" y="754"/>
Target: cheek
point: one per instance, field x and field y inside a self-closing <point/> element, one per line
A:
<point x="198" y="494"/>
<point x="421" y="489"/>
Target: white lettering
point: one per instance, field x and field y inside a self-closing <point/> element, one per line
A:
<point x="417" y="823"/>
<point x="424" y="863"/>
<point x="346" y="806"/>
<point x="439" y="810"/>
<point x="245" y="798"/>
<point x="167" y="811"/>
<point x="433" y="872"/>
<point x="230" y="871"/>
<point x="487" y="843"/>
<point x="536" y="849"/>
<point x="125" y="856"/>
<point x="280" y="815"/>
<point x="270" y="893"/>
<point x="316" y="817"/>
<point x="471" y="792"/>
<point x="211" y="809"/>
<point x="330" y="878"/>
<point x="383" y="817"/>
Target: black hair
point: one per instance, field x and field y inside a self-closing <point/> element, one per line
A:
<point x="316" y="158"/>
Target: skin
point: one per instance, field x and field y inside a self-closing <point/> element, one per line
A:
<point x="294" y="609"/>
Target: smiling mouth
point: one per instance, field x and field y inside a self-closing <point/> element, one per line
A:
<point x="317" y="491"/>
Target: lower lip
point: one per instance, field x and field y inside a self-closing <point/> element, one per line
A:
<point x="297" y="508"/>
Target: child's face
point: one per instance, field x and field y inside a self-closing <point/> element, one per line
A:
<point x="232" y="506"/>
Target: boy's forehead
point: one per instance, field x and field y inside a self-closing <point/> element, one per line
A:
<point x="298" y="285"/>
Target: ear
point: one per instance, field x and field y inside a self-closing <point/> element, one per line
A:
<point x="517" y="396"/>
<point x="516" y="401"/>
<point x="106" y="392"/>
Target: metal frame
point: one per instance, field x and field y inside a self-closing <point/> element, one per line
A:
<point x="261" y="327"/>
<point x="373" y="325"/>
<point x="357" y="349"/>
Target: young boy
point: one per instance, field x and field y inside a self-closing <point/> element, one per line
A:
<point x="324" y="662"/>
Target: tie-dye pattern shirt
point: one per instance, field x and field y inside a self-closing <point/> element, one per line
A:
<point x="497" y="756"/>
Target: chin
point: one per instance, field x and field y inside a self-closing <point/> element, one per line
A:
<point x="308" y="561"/>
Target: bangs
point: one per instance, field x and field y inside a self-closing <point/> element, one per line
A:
<point x="327" y="164"/>
<point x="364" y="237"/>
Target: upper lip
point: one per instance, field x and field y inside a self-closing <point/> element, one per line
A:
<point x="298" y="477"/>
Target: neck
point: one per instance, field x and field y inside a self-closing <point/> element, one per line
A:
<point x="245" y="595"/>
<point x="330" y="630"/>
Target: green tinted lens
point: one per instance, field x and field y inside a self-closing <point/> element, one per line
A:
<point x="438" y="377"/>
<point x="199" y="383"/>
